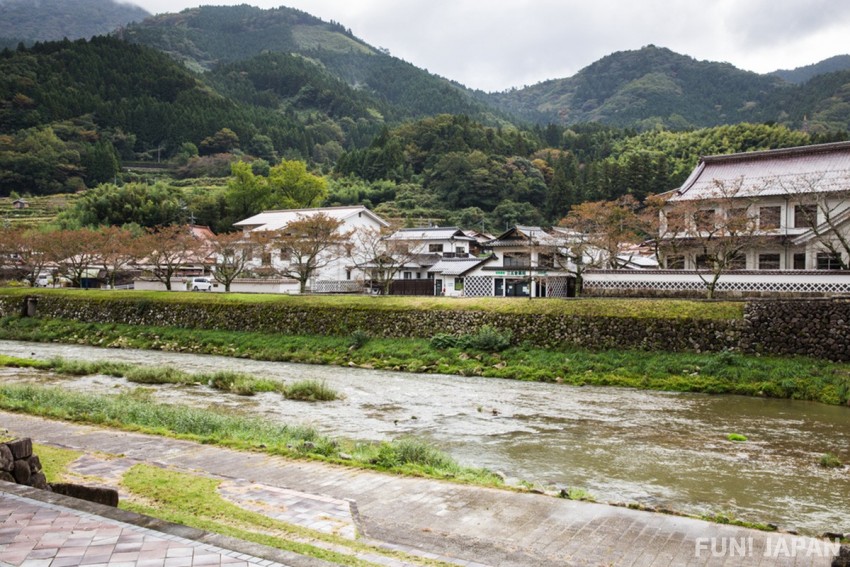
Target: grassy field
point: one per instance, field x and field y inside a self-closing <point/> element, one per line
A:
<point x="597" y="307"/>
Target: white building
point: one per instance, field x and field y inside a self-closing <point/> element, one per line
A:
<point x="338" y="274"/>
<point x="525" y="261"/>
<point x="783" y="215"/>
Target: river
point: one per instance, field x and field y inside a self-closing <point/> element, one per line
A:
<point x="621" y="445"/>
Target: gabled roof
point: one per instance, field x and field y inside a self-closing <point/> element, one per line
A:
<point x="457" y="266"/>
<point x="430" y="233"/>
<point x="275" y="220"/>
<point x="818" y="168"/>
<point x="202" y="232"/>
<point x="524" y="236"/>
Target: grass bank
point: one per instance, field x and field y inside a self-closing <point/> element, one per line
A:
<point x="224" y="380"/>
<point x="715" y="373"/>
<point x="138" y="411"/>
<point x="590" y="307"/>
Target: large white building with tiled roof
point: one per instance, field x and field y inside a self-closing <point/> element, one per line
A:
<point x="796" y="199"/>
<point x="768" y="223"/>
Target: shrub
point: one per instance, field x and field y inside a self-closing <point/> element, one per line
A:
<point x="409" y="451"/>
<point x="443" y="341"/>
<point x="358" y="339"/>
<point x="242" y="384"/>
<point x="489" y="339"/>
<point x="830" y="461"/>
<point x="157" y="375"/>
<point x="310" y="391"/>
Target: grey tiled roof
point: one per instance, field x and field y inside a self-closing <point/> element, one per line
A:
<point x="807" y="169"/>
<point x="456" y="266"/>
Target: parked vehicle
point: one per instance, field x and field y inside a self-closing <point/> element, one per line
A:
<point x="43" y="280"/>
<point x="200" y="284"/>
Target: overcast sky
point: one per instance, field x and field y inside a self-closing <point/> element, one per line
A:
<point x="495" y="45"/>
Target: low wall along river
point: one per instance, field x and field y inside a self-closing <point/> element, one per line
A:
<point x="808" y="327"/>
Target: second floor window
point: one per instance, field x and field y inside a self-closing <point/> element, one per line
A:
<point x="805" y="216"/>
<point x="435" y="248"/>
<point x="704" y="220"/>
<point x="769" y="217"/>
<point x="517" y="260"/>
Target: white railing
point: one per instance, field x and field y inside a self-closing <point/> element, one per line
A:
<point x="734" y="283"/>
<point x="338" y="286"/>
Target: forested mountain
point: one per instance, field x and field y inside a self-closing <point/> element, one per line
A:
<point x="207" y="37"/>
<point x="802" y="74"/>
<point x="59" y="101"/>
<point x="644" y="88"/>
<point x="654" y="86"/>
<point x="31" y="20"/>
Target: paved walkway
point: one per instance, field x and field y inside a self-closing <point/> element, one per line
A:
<point x="461" y="524"/>
<point x="34" y="533"/>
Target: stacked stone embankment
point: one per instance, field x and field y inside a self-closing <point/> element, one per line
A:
<point x="20" y="466"/>
<point x="797" y="327"/>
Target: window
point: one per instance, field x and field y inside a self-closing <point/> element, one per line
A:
<point x="517" y="260"/>
<point x="768" y="261"/>
<point x="675" y="222"/>
<point x="348" y="274"/>
<point x="266" y="259"/>
<point x="458" y="284"/>
<point x="435" y="248"/>
<point x="459" y="250"/>
<point x="408" y="275"/>
<point x="704" y="219"/>
<point x="800" y="261"/>
<point x="805" y="216"/>
<point x="675" y="262"/>
<point x="704" y="262"/>
<point x="738" y="219"/>
<point x="769" y="217"/>
<point x="828" y="261"/>
<point x="545" y="261"/>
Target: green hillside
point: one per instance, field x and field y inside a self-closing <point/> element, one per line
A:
<point x="803" y="74"/>
<point x="644" y="88"/>
<point x="206" y="37"/>
<point x="25" y="20"/>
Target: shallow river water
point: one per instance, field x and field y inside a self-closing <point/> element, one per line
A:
<point x="655" y="448"/>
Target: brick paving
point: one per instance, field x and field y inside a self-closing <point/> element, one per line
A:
<point x="465" y="525"/>
<point x="41" y="534"/>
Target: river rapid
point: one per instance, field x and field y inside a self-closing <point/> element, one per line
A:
<point x="655" y="448"/>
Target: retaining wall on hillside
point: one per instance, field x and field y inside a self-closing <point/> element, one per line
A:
<point x="811" y="327"/>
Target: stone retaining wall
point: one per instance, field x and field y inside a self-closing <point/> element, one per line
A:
<point x="806" y="327"/>
<point x="20" y="466"/>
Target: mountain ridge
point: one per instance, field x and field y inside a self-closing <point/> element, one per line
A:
<point x="45" y="20"/>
